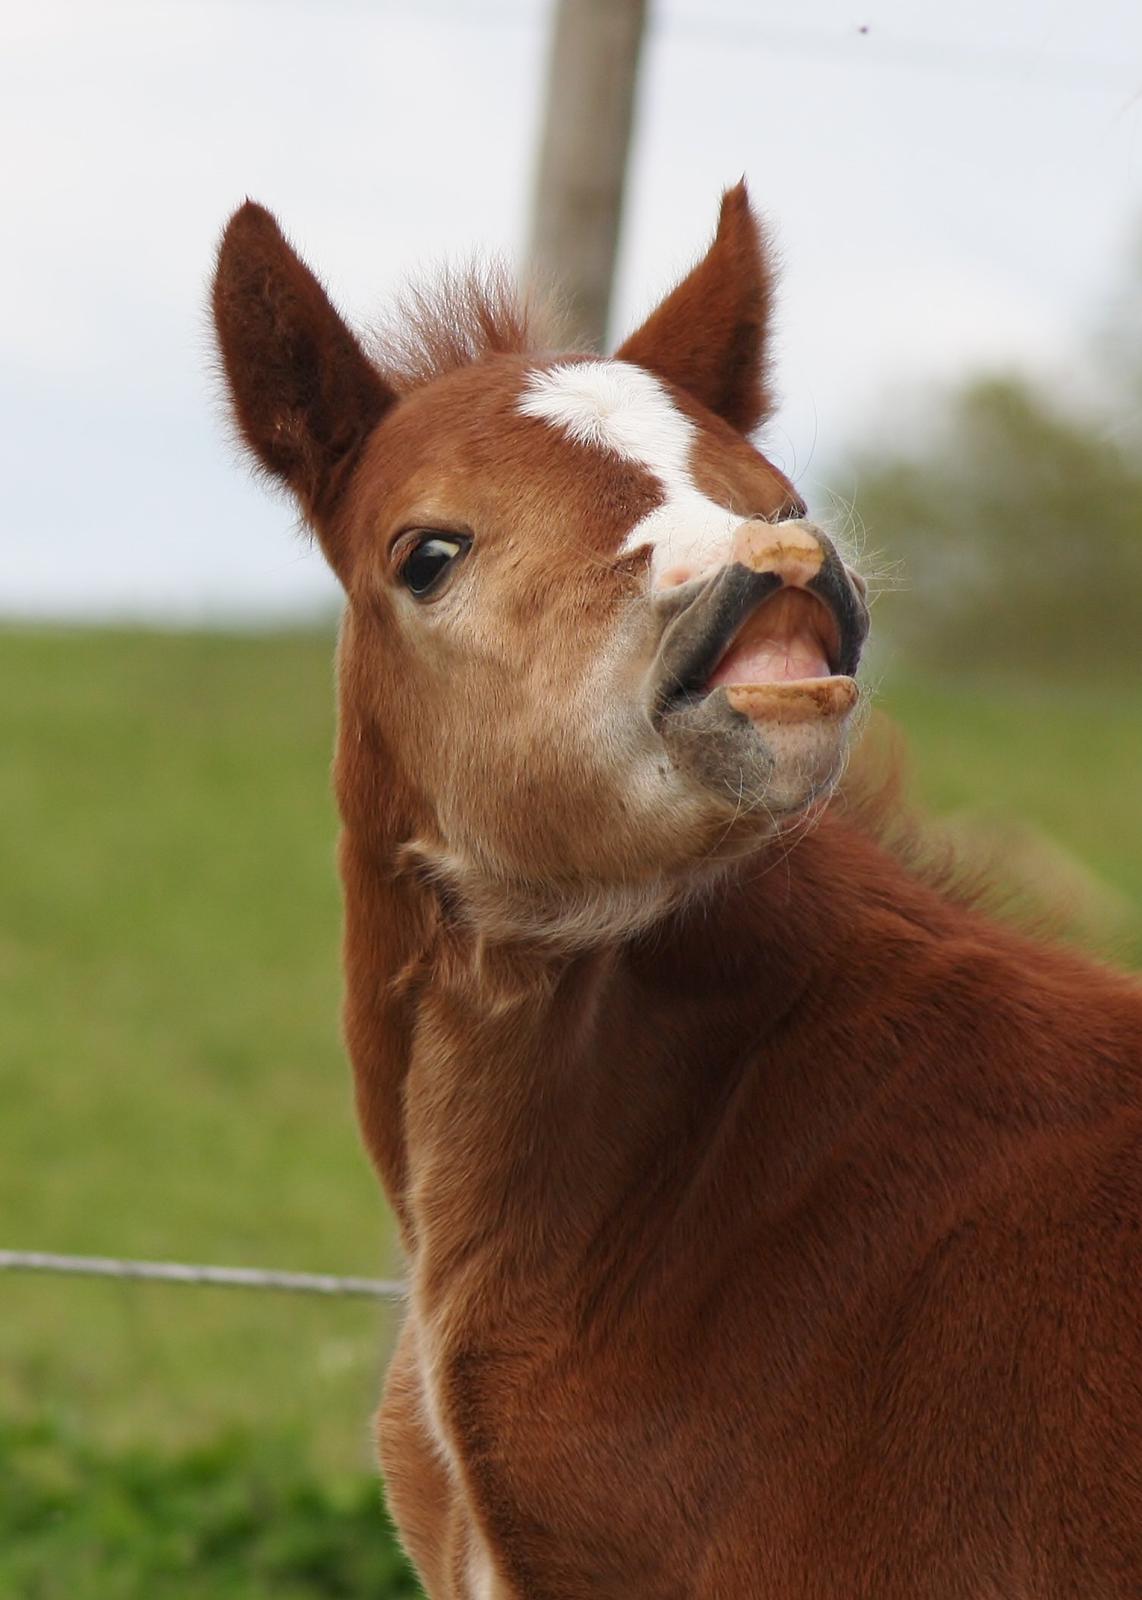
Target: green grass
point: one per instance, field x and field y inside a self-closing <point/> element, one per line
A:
<point x="170" y="1069"/>
<point x="239" y="1519"/>
<point x="173" y="1080"/>
<point x="1057" y="766"/>
<point x="1065" y="757"/>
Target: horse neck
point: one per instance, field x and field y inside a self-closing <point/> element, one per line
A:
<point x="536" y="1094"/>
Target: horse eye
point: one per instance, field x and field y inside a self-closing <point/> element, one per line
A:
<point x="429" y="559"/>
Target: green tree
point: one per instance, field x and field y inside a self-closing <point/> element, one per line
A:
<point x="1017" y="525"/>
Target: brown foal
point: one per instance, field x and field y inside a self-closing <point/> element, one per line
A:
<point x="772" y="1216"/>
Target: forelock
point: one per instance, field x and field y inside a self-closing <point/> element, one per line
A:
<point x="459" y="318"/>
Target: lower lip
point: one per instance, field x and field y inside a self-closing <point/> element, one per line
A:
<point x="794" y="700"/>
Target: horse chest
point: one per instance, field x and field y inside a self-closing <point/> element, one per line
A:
<point x="606" y="1472"/>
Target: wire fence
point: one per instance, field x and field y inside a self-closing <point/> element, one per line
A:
<point x="183" y="1272"/>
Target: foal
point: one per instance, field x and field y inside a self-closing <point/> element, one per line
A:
<point x="771" y="1218"/>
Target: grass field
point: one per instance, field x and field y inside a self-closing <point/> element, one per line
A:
<point x="172" y="1077"/>
<point x="172" y="1080"/>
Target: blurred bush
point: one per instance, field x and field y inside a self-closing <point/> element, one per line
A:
<point x="1016" y="519"/>
<point x="239" y="1519"/>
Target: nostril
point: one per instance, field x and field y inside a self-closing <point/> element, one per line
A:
<point x="673" y="577"/>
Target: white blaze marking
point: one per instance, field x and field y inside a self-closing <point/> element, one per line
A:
<point x="619" y="407"/>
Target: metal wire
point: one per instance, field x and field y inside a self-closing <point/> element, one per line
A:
<point x="214" y="1277"/>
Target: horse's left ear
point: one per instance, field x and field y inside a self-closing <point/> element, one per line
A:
<point x="710" y="335"/>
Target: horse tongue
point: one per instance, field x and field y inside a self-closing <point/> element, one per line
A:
<point x="781" y="643"/>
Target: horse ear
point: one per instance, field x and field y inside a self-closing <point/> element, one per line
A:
<point x="710" y="335"/>
<point x="304" y="394"/>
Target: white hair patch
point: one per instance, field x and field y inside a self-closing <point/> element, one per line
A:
<point x="616" y="406"/>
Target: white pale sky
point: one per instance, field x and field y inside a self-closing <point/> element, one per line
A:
<point x="954" y="187"/>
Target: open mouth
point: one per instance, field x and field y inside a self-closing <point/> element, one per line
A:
<point x="790" y="637"/>
<point x="779" y="651"/>
<point x="782" y="665"/>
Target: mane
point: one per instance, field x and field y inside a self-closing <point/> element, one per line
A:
<point x="461" y="316"/>
<point x="875" y="799"/>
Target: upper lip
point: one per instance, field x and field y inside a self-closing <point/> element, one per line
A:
<point x="706" y="618"/>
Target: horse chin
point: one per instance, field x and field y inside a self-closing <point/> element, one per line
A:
<point x="770" y="751"/>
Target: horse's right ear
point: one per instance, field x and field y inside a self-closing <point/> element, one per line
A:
<point x="305" y="396"/>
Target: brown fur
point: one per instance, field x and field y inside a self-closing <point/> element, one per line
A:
<point x="772" y="1217"/>
<point x="710" y="335"/>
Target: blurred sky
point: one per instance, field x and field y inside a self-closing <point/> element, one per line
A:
<point x="955" y="186"/>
